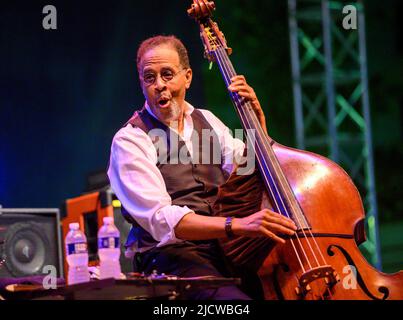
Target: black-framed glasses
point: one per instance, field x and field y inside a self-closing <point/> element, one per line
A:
<point x="166" y="75"/>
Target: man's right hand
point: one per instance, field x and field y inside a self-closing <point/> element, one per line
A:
<point x="264" y="223"/>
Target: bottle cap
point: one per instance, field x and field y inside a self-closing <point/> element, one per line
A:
<point x="74" y="226"/>
<point x="108" y="220"/>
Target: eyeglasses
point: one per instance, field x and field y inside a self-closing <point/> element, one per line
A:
<point x="167" y="75"/>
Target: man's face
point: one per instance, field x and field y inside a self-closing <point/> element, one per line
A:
<point x="164" y="82"/>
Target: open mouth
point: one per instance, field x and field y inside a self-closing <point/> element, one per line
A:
<point x="163" y="102"/>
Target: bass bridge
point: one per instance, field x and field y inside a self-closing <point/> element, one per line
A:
<point x="327" y="273"/>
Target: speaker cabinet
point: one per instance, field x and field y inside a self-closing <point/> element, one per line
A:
<point x="30" y="239"/>
<point x="89" y="210"/>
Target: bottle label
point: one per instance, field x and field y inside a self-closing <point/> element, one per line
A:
<point x="74" y="248"/>
<point x="108" y="243"/>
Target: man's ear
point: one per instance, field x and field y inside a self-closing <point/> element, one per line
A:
<point x="189" y="76"/>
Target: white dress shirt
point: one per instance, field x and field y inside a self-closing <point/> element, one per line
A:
<point x="139" y="185"/>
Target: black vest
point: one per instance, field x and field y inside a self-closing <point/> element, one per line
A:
<point x="194" y="183"/>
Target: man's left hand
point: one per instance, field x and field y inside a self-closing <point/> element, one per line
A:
<point x="240" y="87"/>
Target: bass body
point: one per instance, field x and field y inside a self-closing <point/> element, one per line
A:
<point x="333" y="209"/>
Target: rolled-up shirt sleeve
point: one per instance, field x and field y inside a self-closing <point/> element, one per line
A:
<point x="140" y="187"/>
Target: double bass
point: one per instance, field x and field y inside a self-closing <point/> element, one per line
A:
<point x="322" y="260"/>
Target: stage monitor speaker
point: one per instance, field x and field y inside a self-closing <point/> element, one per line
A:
<point x="30" y="239"/>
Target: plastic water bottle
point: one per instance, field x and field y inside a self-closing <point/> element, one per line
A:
<point x="109" y="250"/>
<point x="76" y="255"/>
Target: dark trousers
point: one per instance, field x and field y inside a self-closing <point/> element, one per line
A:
<point x="190" y="259"/>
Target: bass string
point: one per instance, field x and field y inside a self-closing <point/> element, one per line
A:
<point x="221" y="54"/>
<point x="227" y="76"/>
<point x="274" y="161"/>
<point x="285" y="186"/>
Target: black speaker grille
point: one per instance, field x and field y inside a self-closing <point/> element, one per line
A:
<point x="29" y="240"/>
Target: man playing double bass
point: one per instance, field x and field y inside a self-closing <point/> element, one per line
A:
<point x="169" y="201"/>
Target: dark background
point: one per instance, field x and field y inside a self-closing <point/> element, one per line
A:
<point x="64" y="93"/>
